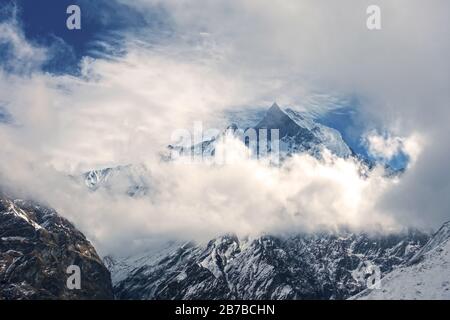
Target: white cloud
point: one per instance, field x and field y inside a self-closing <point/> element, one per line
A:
<point x="228" y="54"/>
<point x="20" y="55"/>
<point x="200" y="201"/>
<point x="383" y="146"/>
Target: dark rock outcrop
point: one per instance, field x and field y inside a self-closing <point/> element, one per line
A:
<point x="36" y="248"/>
<point x="318" y="266"/>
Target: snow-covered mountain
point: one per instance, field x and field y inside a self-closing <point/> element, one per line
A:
<point x="305" y="266"/>
<point x="37" y="246"/>
<point x="425" y="276"/>
<point x="301" y="266"/>
<point x="297" y="133"/>
<point x="133" y="180"/>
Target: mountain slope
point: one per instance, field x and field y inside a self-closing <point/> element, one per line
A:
<point x="328" y="137"/>
<point x="129" y="179"/>
<point x="425" y="276"/>
<point x="317" y="266"/>
<point x="296" y="134"/>
<point x="36" y="248"/>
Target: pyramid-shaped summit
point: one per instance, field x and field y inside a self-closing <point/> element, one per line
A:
<point x="276" y="118"/>
<point x="295" y="135"/>
<point x="275" y="108"/>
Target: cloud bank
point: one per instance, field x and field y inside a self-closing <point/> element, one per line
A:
<point x="227" y="55"/>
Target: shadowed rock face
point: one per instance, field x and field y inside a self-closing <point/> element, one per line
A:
<point x="317" y="266"/>
<point x="276" y="118"/>
<point x="36" y="247"/>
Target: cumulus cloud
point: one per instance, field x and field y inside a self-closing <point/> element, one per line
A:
<point x="228" y="55"/>
<point x="399" y="73"/>
<point x="199" y="201"/>
<point x="385" y="147"/>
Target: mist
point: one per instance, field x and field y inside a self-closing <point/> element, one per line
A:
<point x="232" y="55"/>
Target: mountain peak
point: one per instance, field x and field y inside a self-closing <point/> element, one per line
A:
<point x="276" y="118"/>
<point x="275" y="108"/>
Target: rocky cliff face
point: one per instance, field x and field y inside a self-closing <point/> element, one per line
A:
<point x="36" y="248"/>
<point x="318" y="266"/>
<point x="425" y="276"/>
<point x="37" y="245"/>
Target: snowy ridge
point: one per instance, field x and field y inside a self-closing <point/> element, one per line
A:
<point x="425" y="276"/>
<point x="130" y="179"/>
<point x="439" y="239"/>
<point x="121" y="267"/>
<point x="316" y="266"/>
<point x="328" y="137"/>
<point x="17" y="211"/>
<point x="297" y="133"/>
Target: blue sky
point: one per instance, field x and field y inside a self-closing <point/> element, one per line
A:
<point x="348" y="121"/>
<point x="103" y="21"/>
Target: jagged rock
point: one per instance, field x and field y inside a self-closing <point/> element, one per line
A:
<point x="317" y="266"/>
<point x="36" y="248"/>
<point x="425" y="276"/>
